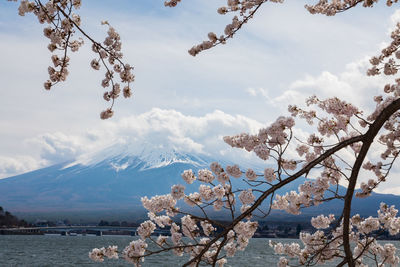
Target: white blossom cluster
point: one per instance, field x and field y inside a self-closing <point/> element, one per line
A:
<point x="267" y="142"/>
<point x="267" y="138"/>
<point x="98" y="254"/>
<point x="322" y="222"/>
<point x="311" y="192"/>
<point x="159" y="203"/>
<point x="340" y="111"/>
<point x="134" y="252"/>
<point x="171" y="3"/>
<point x="331" y="8"/>
<point x="247" y="197"/>
<point x="62" y="25"/>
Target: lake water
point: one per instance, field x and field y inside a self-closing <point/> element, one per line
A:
<point x="55" y="250"/>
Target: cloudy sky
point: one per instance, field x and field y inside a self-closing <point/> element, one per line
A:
<point x="282" y="56"/>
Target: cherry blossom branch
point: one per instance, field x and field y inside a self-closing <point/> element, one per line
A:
<point x="58" y="14"/>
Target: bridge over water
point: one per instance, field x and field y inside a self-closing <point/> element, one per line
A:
<point x="74" y="230"/>
<point x="66" y="230"/>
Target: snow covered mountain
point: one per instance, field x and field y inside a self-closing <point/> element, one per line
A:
<point x="114" y="179"/>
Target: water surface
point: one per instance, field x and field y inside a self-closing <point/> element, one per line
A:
<point x="56" y="250"/>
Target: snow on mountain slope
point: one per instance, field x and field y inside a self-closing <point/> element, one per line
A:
<point x="123" y="155"/>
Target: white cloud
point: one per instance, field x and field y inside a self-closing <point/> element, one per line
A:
<point x="394" y="19"/>
<point x="16" y="165"/>
<point x="57" y="147"/>
<point x="395" y="190"/>
<point x="351" y="85"/>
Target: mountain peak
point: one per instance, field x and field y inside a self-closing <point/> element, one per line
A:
<point x="121" y="156"/>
